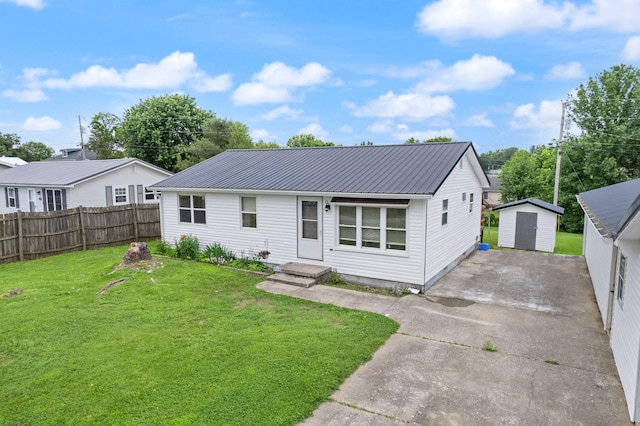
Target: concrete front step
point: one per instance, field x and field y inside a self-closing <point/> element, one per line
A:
<point x="292" y="279"/>
<point x="319" y="273"/>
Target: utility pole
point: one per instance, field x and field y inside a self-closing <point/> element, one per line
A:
<point x="556" y="188"/>
<point x="84" y="156"/>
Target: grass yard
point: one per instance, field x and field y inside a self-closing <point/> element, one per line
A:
<point x="187" y="343"/>
<point x="566" y="243"/>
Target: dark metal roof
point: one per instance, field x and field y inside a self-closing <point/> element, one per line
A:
<point x="63" y="173"/>
<point x="380" y="169"/>
<point x="494" y="181"/>
<point x="534" y="201"/>
<point x="607" y="206"/>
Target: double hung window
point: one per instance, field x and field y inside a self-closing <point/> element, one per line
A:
<point x="249" y="213"/>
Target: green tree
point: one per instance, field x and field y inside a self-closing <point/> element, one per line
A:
<point x="366" y="143"/>
<point x="266" y="145"/>
<point x="529" y="174"/>
<point x="306" y="140"/>
<point x="103" y="138"/>
<point x="34" y="151"/>
<point x="8" y="144"/>
<point x="218" y="135"/>
<point x="159" y="129"/>
<point x="494" y="160"/>
<point x="413" y="140"/>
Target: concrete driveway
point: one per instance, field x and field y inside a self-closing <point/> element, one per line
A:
<point x="553" y="364"/>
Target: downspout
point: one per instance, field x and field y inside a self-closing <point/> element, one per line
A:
<point x="612" y="286"/>
<point x="424" y="245"/>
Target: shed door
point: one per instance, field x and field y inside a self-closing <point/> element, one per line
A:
<point x="526" y="226"/>
<point x="310" y="228"/>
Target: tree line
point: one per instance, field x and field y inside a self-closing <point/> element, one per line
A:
<point x="11" y="146"/>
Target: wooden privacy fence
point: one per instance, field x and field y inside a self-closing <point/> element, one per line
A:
<point x="28" y="236"/>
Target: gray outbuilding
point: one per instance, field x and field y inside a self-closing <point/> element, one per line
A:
<point x="528" y="224"/>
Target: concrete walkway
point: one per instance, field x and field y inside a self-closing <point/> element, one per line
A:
<point x="553" y="364"/>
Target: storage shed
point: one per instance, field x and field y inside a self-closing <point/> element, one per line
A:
<point x="528" y="224"/>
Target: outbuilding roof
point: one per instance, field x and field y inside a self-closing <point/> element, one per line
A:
<point x="62" y="173"/>
<point x="377" y="169"/>
<point x="12" y="161"/>
<point x="533" y="201"/>
<point x="607" y="206"/>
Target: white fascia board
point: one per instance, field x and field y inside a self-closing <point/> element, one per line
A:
<point x="297" y="193"/>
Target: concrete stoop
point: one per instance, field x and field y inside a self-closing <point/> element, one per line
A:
<point x="301" y="275"/>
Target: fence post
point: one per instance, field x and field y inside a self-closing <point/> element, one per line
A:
<point x="82" y="228"/>
<point x="135" y="220"/>
<point x="20" y="241"/>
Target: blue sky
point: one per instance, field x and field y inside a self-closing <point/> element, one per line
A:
<point x="493" y="72"/>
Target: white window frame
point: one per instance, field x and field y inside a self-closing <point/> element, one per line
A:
<point x="11" y="196"/>
<point x="120" y="195"/>
<point x="248" y="213"/>
<point x="445" y="212"/>
<point x="197" y="215"/>
<point x="382" y="227"/>
<point x="54" y="192"/>
<point x="150" y="195"/>
<point x="471" y="202"/>
<point x="621" y="276"/>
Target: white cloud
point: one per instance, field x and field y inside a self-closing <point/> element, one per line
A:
<point x="345" y="129"/>
<point x="477" y="73"/>
<point x="631" y="50"/>
<point x="263" y="134"/>
<point x="545" y="116"/>
<point x="283" y="111"/>
<point x="42" y="124"/>
<point x="568" y="71"/>
<point x="171" y="72"/>
<point x="33" y="4"/>
<point x="423" y="134"/>
<point x="410" y="106"/>
<point x="27" y="95"/>
<point x="455" y="19"/>
<point x="314" y="129"/>
<point x="479" y="120"/>
<point x="277" y="81"/>
<point x="381" y="126"/>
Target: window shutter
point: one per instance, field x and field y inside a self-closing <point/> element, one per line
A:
<point x="132" y="194"/>
<point x="44" y="200"/>
<point x="17" y="198"/>
<point x="6" y="196"/>
<point x="63" y="194"/>
<point x="140" y="194"/>
<point x="109" y="191"/>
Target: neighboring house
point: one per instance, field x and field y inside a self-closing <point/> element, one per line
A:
<point x="73" y="154"/>
<point x="491" y="195"/>
<point x="57" y="185"/>
<point x="528" y="225"/>
<point x="380" y="215"/>
<point x="11" y="162"/>
<point x="611" y="247"/>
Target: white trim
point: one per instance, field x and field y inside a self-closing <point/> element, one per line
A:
<point x="293" y="192"/>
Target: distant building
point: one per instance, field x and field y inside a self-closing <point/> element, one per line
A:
<point x="10" y="162"/>
<point x="74" y="154"/>
<point x="491" y="194"/>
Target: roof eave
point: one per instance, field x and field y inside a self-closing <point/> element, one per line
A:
<point x="292" y="192"/>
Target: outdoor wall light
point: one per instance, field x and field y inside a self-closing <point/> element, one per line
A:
<point x="327" y="206"/>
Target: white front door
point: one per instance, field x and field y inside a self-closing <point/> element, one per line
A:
<point x="310" y="227"/>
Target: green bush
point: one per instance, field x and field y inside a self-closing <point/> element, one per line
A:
<point x="495" y="219"/>
<point x="163" y="248"/>
<point x="218" y="254"/>
<point x="187" y="247"/>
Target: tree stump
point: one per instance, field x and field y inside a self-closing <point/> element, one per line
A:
<point x="136" y="253"/>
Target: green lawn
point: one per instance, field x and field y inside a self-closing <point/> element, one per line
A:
<point x="185" y="344"/>
<point x="566" y="243"/>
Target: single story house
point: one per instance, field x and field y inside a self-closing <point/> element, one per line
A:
<point x="58" y="185"/>
<point x="611" y="247"/>
<point x="491" y="196"/>
<point x="528" y="224"/>
<point x="380" y="215"/>
<point x="11" y="162"/>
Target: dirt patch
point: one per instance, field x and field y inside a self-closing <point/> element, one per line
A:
<point x="13" y="292"/>
<point x="245" y="302"/>
<point x="143" y="265"/>
<point x="111" y="284"/>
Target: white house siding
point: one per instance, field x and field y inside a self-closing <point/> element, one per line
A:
<point x="277" y="229"/>
<point x="625" y="328"/>
<point x="545" y="234"/>
<point x="598" y="253"/>
<point x="445" y="244"/>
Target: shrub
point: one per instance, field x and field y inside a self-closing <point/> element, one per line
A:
<point x="187" y="247"/>
<point x="218" y="254"/>
<point x="163" y="248"/>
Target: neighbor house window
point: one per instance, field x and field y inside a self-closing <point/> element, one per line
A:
<point x="54" y="199"/>
<point x="622" y="272"/>
<point x="445" y="212"/>
<point x="464" y="196"/>
<point x="12" y="197"/>
<point x="470" y="202"/>
<point x="192" y="209"/>
<point x="372" y="227"/>
<point x="249" y="216"/>
<point x="150" y="195"/>
<point x="119" y="195"/>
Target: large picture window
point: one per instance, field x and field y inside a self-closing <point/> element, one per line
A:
<point x="249" y="215"/>
<point x="382" y="228"/>
<point x="192" y="209"/>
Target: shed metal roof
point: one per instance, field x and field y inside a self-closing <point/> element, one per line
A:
<point x="378" y="169"/>
<point x="607" y="206"/>
<point x="62" y="173"/>
<point x="534" y="201"/>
